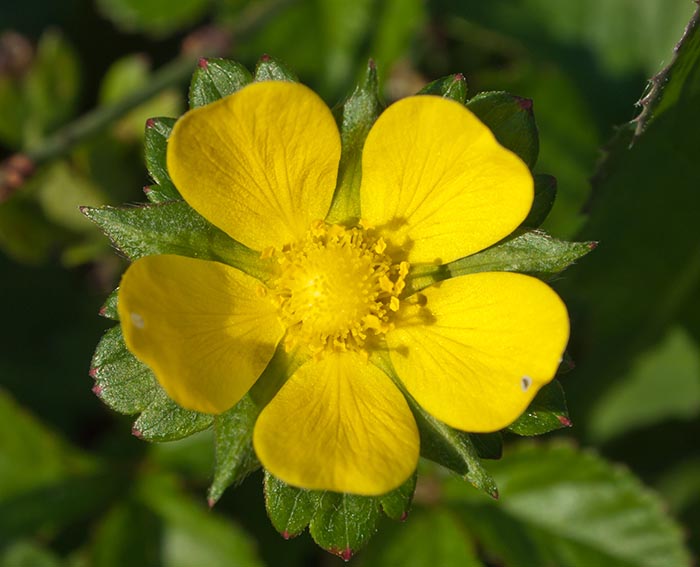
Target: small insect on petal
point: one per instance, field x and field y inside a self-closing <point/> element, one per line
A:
<point x="525" y="383"/>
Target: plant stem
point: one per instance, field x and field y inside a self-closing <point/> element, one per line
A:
<point x="66" y="138"/>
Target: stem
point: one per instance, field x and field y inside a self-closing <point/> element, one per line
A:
<point x="84" y="127"/>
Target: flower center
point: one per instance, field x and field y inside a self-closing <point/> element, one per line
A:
<point x="337" y="288"/>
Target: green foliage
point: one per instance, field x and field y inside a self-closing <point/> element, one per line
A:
<point x="662" y="383"/>
<point x="545" y="193"/>
<point x="171" y="228"/>
<point x="339" y="523"/>
<point x="155" y="17"/>
<point x="525" y="251"/>
<point x="235" y="457"/>
<point x="42" y="96"/>
<point x="126" y="77"/>
<point x="561" y="506"/>
<point x="431" y="536"/>
<point x="216" y="78"/>
<point x="637" y="292"/>
<point x="155" y="153"/>
<point x="511" y="120"/>
<point x="271" y="69"/>
<point x="355" y="118"/>
<point x="453" y="87"/>
<point x="128" y="386"/>
<point x="547" y="412"/>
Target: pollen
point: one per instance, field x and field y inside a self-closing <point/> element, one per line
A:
<point x="337" y="289"/>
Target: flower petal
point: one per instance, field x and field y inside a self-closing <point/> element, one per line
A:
<point x="261" y="164"/>
<point x="438" y="184"/>
<point x="200" y="326"/>
<point x="338" y="424"/>
<point x="475" y="349"/>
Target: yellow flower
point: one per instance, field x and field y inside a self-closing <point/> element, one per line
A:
<point x="262" y="165"/>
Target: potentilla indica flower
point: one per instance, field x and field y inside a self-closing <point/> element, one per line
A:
<point x="262" y="165"/>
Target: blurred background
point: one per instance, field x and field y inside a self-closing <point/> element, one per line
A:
<point x="77" y="489"/>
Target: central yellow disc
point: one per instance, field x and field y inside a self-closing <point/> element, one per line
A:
<point x="336" y="286"/>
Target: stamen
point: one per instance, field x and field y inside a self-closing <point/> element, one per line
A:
<point x="337" y="288"/>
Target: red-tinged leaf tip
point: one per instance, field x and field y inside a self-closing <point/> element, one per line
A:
<point x="203" y="63"/>
<point x="147" y="189"/>
<point x="593" y="245"/>
<point x="459" y="77"/>
<point x="83" y="209"/>
<point x="265" y="58"/>
<point x="93" y="372"/>
<point x="372" y="64"/>
<point x="524" y="103"/>
<point x="495" y="495"/>
<point x="150" y="123"/>
<point x="346" y="554"/>
<point x="211" y="502"/>
<point x="102" y="311"/>
<point x="97" y="390"/>
<point x="403" y="516"/>
<point x="286" y="535"/>
<point x="565" y="421"/>
<point x="136" y="432"/>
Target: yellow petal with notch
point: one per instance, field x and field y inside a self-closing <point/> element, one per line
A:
<point x="437" y="183"/>
<point x="338" y="424"/>
<point x="474" y="350"/>
<point x="200" y="326"/>
<point x="261" y="164"/>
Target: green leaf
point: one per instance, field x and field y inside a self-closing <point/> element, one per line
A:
<point x="453" y="87"/>
<point x="235" y="457"/>
<point x="340" y="523"/>
<point x="511" y="120"/>
<point x="530" y="252"/>
<point x="488" y="445"/>
<point x="32" y="455"/>
<point x="25" y="553"/>
<point x="290" y="509"/>
<point x="124" y="78"/>
<point x="640" y="286"/>
<point x="344" y="523"/>
<point x="429" y="537"/>
<point x="394" y="28"/>
<point x="662" y="384"/>
<point x="355" y="118"/>
<point x="25" y="234"/>
<point x="545" y="194"/>
<point x="172" y="228"/>
<point x="122" y="382"/>
<point x="439" y="442"/>
<point x="164" y="420"/>
<point x="216" y="78"/>
<point x="569" y="508"/>
<point x="128" y="386"/>
<point x="51" y="86"/>
<point x="397" y="503"/>
<point x="192" y="534"/>
<point x="271" y="69"/>
<point x="109" y="307"/>
<point x="129" y="534"/>
<point x="155" y="152"/>
<point x="343" y="27"/>
<point x="154" y="17"/>
<point x="547" y="412"/>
